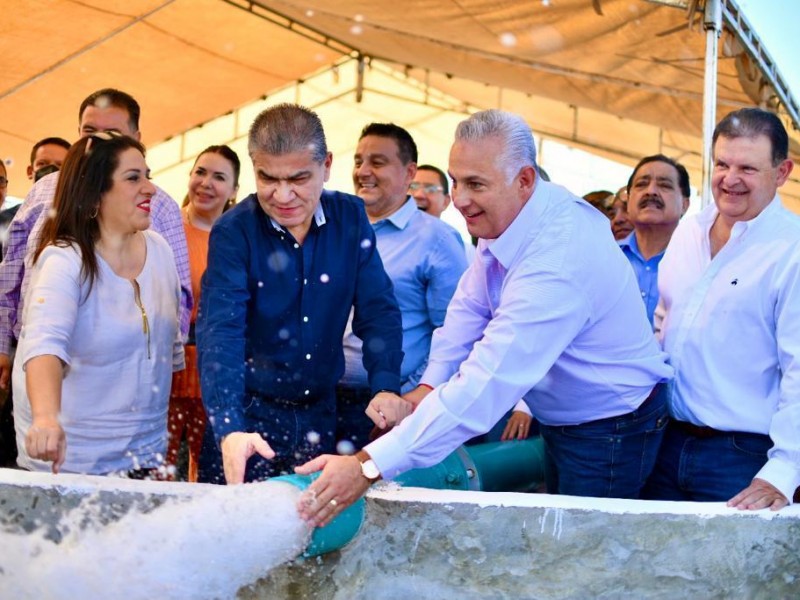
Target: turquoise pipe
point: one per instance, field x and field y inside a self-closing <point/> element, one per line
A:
<point x="495" y="467"/>
<point x="513" y="466"/>
<point x="336" y="534"/>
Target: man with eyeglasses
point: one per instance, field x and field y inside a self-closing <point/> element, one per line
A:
<point x="423" y="256"/>
<point x="430" y="190"/>
<point x="104" y="110"/>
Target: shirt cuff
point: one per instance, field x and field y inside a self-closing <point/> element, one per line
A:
<point x="387" y="456"/>
<point x="782" y="475"/>
<point x="225" y="422"/>
<point x="436" y="374"/>
<point x="522" y="406"/>
<point x="385" y="381"/>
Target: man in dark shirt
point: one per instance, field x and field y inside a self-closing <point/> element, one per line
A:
<point x="285" y="266"/>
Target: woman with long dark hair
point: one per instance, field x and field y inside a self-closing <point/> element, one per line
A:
<point x="100" y="335"/>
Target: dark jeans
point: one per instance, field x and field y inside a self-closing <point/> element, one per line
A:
<point x="706" y="469"/>
<point x="352" y="424"/>
<point x="608" y="458"/>
<point x="296" y="432"/>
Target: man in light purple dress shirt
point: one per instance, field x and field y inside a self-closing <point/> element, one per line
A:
<point x="549" y="311"/>
<point x="104" y="110"/>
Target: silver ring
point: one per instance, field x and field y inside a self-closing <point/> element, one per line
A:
<point x="333" y="503"/>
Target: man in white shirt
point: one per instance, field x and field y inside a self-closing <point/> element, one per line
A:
<point x="549" y="312"/>
<point x="729" y="317"/>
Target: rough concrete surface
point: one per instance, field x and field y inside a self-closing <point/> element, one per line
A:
<point x="413" y="550"/>
<point x="464" y="545"/>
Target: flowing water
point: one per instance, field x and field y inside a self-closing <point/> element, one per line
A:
<point x="206" y="545"/>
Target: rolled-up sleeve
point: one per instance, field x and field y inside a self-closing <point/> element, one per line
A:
<point x="52" y="307"/>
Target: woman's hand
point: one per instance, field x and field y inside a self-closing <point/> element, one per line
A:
<point x="46" y="440"/>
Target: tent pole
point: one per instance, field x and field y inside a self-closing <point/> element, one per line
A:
<point x="712" y="24"/>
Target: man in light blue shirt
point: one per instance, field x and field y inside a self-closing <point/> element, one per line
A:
<point x="549" y="312"/>
<point x="423" y="256"/>
<point x="658" y="196"/>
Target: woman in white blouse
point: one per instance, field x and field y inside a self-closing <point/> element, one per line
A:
<point x="100" y="336"/>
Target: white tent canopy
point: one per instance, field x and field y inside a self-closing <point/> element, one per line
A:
<point x="623" y="78"/>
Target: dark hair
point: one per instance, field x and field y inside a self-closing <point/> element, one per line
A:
<point x="48" y="141"/>
<point x="600" y="199"/>
<point x="111" y="97"/>
<point x="406" y="148"/>
<point x="752" y="122"/>
<point x="442" y="176"/>
<point x="227" y="153"/>
<point x="86" y="176"/>
<point x="683" y="174"/>
<point x="287" y="128"/>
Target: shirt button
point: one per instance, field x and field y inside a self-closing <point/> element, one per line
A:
<point x="647" y="268"/>
<point x="308" y="357"/>
<point x="305" y="319"/>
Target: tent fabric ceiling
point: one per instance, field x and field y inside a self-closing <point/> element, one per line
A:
<point x="188" y="61"/>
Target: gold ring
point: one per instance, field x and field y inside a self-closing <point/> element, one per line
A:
<point x="333" y="503"/>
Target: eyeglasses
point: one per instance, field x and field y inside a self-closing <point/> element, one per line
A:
<point x="428" y="188"/>
<point x="103" y="136"/>
<point x="3" y="182"/>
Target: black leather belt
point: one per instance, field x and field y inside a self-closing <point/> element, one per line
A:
<point x="698" y="431"/>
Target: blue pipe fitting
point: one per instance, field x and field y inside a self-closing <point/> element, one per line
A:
<point x="336" y="534"/>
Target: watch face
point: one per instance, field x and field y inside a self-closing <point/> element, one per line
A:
<point x="370" y="470"/>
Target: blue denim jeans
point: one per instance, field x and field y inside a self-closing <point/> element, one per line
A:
<point x="297" y="433"/>
<point x="712" y="469"/>
<point x="608" y="458"/>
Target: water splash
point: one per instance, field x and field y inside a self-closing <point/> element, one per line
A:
<point x="207" y="545"/>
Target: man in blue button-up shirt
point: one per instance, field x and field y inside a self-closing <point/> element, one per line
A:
<point x="658" y="196"/>
<point x="285" y="267"/>
<point x="423" y="256"/>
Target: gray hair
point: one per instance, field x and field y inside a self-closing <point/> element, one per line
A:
<point x="519" y="149"/>
<point x="287" y="128"/>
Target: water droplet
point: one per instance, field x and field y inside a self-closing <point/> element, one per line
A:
<point x="324" y="278"/>
<point x="345" y="448"/>
<point x="313" y="437"/>
<point x="283" y="334"/>
<point x="366" y="244"/>
<point x="278" y="261"/>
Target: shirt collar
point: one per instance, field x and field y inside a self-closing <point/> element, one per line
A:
<point x="525" y="226"/>
<point x="402" y="216"/>
<point x="709" y="214"/>
<point x="629" y="241"/>
<point x="319" y="219"/>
